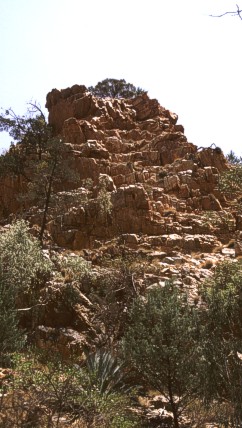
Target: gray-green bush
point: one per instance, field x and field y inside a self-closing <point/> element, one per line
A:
<point x="23" y="271"/>
<point x="161" y="344"/>
<point x="221" y="344"/>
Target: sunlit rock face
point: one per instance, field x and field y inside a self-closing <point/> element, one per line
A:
<point x="155" y="178"/>
<point x="138" y="144"/>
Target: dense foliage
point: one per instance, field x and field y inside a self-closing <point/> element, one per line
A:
<point x="115" y="88"/>
<point x="231" y="180"/>
<point x="11" y="337"/>
<point x="191" y="354"/>
<point x="45" y="389"/>
<point x="233" y="158"/>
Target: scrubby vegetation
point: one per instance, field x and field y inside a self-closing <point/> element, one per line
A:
<point x="133" y="339"/>
<point x="45" y="391"/>
<point x="192" y="355"/>
<point x="42" y="389"/>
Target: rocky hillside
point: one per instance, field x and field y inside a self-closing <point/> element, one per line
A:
<point x="138" y="205"/>
<point x="142" y="191"/>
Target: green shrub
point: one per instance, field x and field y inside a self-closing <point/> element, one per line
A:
<point x="231" y="180"/>
<point x="22" y="260"/>
<point x="115" y="88"/>
<point x="76" y="269"/>
<point x="221" y="344"/>
<point x="104" y="198"/>
<point x="23" y="271"/>
<point x="11" y="336"/>
<point x="161" y="344"/>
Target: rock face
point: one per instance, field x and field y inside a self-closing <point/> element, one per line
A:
<point x="155" y="173"/>
<point x="155" y="179"/>
<point x="156" y="182"/>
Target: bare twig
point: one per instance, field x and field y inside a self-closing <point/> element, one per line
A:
<point x="32" y="307"/>
<point x="36" y="109"/>
<point x="133" y="284"/>
<point x="234" y="13"/>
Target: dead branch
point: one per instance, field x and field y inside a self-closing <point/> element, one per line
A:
<point x="233" y="13"/>
<point x="133" y="284"/>
<point x="36" y="109"/>
<point x="32" y="307"/>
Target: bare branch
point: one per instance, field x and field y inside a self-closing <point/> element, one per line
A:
<point x="32" y="307"/>
<point x="133" y="284"/>
<point x="36" y="108"/>
<point x="234" y="13"/>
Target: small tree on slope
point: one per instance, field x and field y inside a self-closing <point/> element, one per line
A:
<point x="23" y="272"/>
<point x="161" y="344"/>
<point x="41" y="161"/>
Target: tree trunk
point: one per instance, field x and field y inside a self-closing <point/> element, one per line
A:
<point x="174" y="411"/>
<point x="47" y="203"/>
<point x="174" y="406"/>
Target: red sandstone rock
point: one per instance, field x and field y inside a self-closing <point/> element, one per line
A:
<point x="152" y="172"/>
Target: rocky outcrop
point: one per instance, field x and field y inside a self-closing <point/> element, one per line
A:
<point x="155" y="175"/>
<point x="155" y="172"/>
<point x="143" y="190"/>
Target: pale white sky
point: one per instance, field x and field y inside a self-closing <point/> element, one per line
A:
<point x="190" y="62"/>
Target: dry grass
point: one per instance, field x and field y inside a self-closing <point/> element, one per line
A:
<point x="216" y="415"/>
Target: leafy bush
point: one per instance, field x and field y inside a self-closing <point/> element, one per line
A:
<point x="23" y="271"/>
<point x="221" y="344"/>
<point x="40" y="161"/>
<point x="31" y="129"/>
<point x="49" y="388"/>
<point x="222" y="295"/>
<point x="222" y="220"/>
<point x="23" y="262"/>
<point x="104" y="198"/>
<point x="233" y="158"/>
<point x="115" y="88"/>
<point x="231" y="180"/>
<point x="76" y="268"/>
<point x="113" y="293"/>
<point x="11" y="337"/>
<point x="161" y="344"/>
